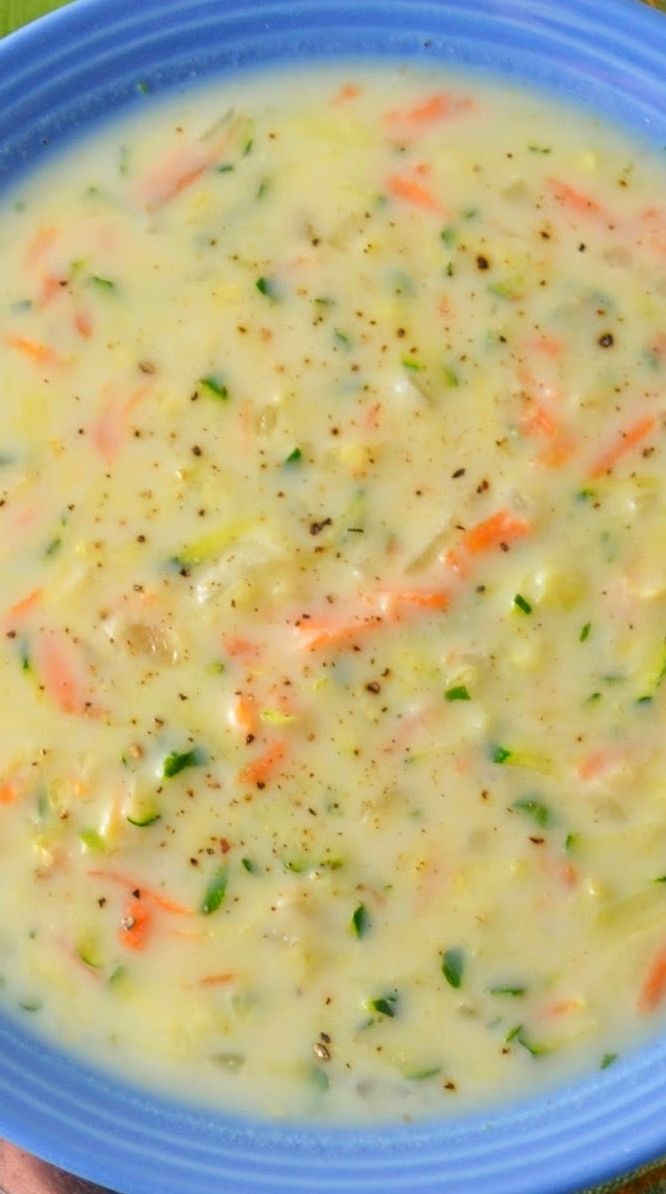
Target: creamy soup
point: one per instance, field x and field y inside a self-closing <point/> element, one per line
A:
<point x="333" y="595"/>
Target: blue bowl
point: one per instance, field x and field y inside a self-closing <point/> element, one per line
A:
<point x="59" y="78"/>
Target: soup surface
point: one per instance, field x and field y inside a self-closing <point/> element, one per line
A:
<point x="333" y="594"/>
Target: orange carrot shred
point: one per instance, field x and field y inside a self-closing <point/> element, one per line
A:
<point x="135" y="926"/>
<point x="348" y="91"/>
<point x="20" y="610"/>
<point x="148" y="894"/>
<point x="40" y="244"/>
<point x="261" y="769"/>
<point x="243" y="714"/>
<point x="60" y="671"/>
<point x="578" y="202"/>
<point x="502" y="527"/>
<point x="317" y="633"/>
<point x="653" y="991"/>
<point x="627" y="439"/>
<point x="401" y="186"/>
<point x="9" y="791"/>
<point x="217" y="980"/>
<point x="83" y="324"/>
<point x="41" y="354"/>
<point x="434" y="109"/>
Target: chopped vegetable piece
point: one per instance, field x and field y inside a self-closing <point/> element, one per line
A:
<point x="585" y="632"/>
<point x="269" y="288"/>
<point x="458" y="693"/>
<point x="360" y="921"/>
<point x="536" y="809"/>
<point x="511" y="992"/>
<point x="215" y="892"/>
<point x="522" y="604"/>
<point x="500" y="754"/>
<point x="294" y="457"/>
<point x="385" y="1005"/>
<point x="454" y="963"/>
<point x="179" y="761"/>
<point x="215" y="386"/>
<point x="607" y="1060"/>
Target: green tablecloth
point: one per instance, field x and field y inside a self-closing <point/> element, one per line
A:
<point x="14" y="13"/>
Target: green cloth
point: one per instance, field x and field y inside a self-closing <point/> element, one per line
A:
<point x="18" y="12"/>
<point x="14" y="13"/>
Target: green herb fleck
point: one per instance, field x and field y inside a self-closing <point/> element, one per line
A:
<point x="142" y="87"/>
<point x="422" y="1075"/>
<point x="215" y="386"/>
<point x="571" y="842"/>
<point x="540" y="148"/>
<point x="519" y="1034"/>
<point x="102" y="283"/>
<point x="413" y="364"/>
<point x="248" y="147"/>
<point x="294" y="457"/>
<point x="607" y="1060"/>
<point x="500" y="754"/>
<point x="268" y="287"/>
<point x="522" y="604"/>
<point x="539" y="812"/>
<point x="92" y="840"/>
<point x="215" y="892"/>
<point x="458" y="693"/>
<point x="451" y="378"/>
<point x="342" y="339"/>
<point x="360" y="921"/>
<point x="509" y="992"/>
<point x="449" y="235"/>
<point x="386" y="1005"/>
<point x="250" y="866"/>
<point x="585" y="632"/>
<point x="453" y="966"/>
<point x="53" y="547"/>
<point x="263" y="188"/>
<point x="175" y="762"/>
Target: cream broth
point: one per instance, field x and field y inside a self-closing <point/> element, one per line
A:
<point x="333" y="594"/>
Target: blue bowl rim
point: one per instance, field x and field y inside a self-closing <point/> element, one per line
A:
<point x="91" y="1122"/>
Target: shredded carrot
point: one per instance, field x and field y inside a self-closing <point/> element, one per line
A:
<point x="546" y="345"/>
<point x="61" y="673"/>
<point x="315" y="634"/>
<point x="109" y="430"/>
<point x="599" y="763"/>
<point x="243" y="714"/>
<point x="653" y="991"/>
<point x="241" y="647"/>
<point x="178" y="171"/>
<point x="401" y="186"/>
<point x="263" y="768"/>
<point x="83" y="324"/>
<point x="441" y="106"/>
<point x="627" y="439"/>
<point x="563" y="1007"/>
<point x="41" y="242"/>
<point x="136" y="926"/>
<point x="147" y="893"/>
<point x="217" y="980"/>
<point x="502" y="527"/>
<point x="20" y="610"/>
<point x="348" y="91"/>
<point x="393" y="602"/>
<point x="578" y="202"/>
<point x="40" y="354"/>
<point x="50" y="288"/>
<point x="9" y="791"/>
